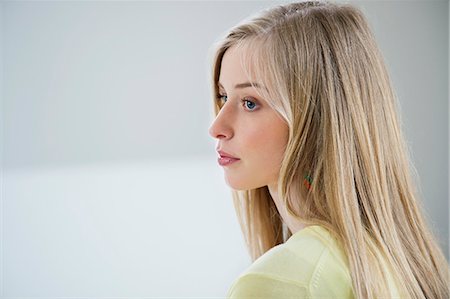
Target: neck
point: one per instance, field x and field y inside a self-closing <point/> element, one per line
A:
<point x="293" y="223"/>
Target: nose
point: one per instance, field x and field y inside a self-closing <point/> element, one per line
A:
<point x="220" y="128"/>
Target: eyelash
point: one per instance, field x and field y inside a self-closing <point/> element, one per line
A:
<point x="244" y="100"/>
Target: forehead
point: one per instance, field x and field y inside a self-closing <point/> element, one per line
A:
<point x="236" y="67"/>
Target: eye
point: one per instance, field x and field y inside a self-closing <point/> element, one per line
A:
<point x="252" y="104"/>
<point x="221" y="99"/>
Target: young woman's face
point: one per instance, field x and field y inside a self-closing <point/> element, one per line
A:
<point x="247" y="128"/>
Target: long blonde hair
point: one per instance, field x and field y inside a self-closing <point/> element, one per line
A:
<point x="326" y="77"/>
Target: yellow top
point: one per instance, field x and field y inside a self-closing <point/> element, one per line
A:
<point x="310" y="264"/>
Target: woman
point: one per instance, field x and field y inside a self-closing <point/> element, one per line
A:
<point x="321" y="178"/>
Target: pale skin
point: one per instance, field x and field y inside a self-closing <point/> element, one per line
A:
<point x="249" y="129"/>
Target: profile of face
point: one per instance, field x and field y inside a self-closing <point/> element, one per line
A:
<point x="247" y="128"/>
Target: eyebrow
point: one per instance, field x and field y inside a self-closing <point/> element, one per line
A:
<point x="244" y="85"/>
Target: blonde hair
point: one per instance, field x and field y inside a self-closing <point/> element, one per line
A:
<point x="326" y="78"/>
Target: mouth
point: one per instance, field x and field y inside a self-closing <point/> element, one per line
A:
<point x="226" y="155"/>
<point x="225" y="158"/>
<point x="224" y="161"/>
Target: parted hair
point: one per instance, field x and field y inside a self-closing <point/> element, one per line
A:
<point x="325" y="75"/>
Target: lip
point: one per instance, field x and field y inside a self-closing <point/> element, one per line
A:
<point x="226" y="155"/>
<point x="225" y="158"/>
<point x="224" y="161"/>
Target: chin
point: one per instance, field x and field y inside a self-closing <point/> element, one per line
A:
<point x="242" y="186"/>
<point x="237" y="187"/>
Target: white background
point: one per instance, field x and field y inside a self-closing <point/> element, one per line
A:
<point x="109" y="183"/>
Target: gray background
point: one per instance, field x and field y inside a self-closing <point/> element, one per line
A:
<point x="109" y="180"/>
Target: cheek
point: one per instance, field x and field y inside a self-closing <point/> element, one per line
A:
<point x="269" y="142"/>
<point x="262" y="151"/>
<point x="255" y="137"/>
